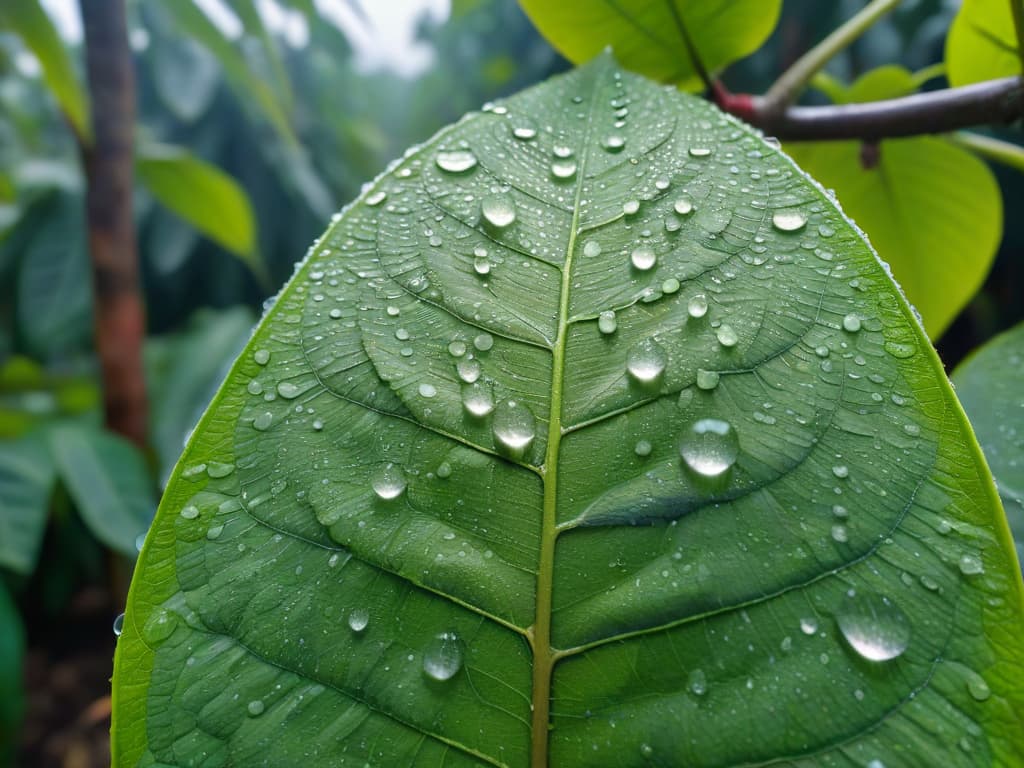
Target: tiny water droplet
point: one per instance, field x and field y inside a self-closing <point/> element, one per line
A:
<point x="697" y="682"/>
<point x="444" y="470"/>
<point x="971" y="565"/>
<point x="606" y="322"/>
<point x="219" y="469"/>
<point x="631" y="207"/>
<point x="683" y="206"/>
<point x="481" y="265"/>
<point x="261" y="356"/>
<point x="643" y="258"/>
<point x="591" y="248"/>
<point x="726" y="335"/>
<point x="642" y="448"/>
<point x="851" y="323"/>
<point x="498" y="210"/>
<point x="646" y="362"/>
<point x="442" y="658"/>
<point x="809" y="625"/>
<point x="262" y="421"/>
<point x="669" y="286"/>
<point x="899" y="349"/>
<point x="697" y="306"/>
<point x="483" y="342"/>
<point x="427" y="390"/>
<point x="457" y="348"/>
<point x="389" y="482"/>
<point x="699" y="151"/>
<point x="873" y="626"/>
<point x="646" y="750"/>
<point x="709" y="447"/>
<point x="376" y="198"/>
<point x="190" y="511"/>
<point x="841" y="471"/>
<point x="469" y="370"/>
<point x="255" y="708"/>
<point x="707" y="380"/>
<point x="118" y="625"/>
<point x="358" y="619"/>
<point x="455" y="160"/>
<point x="613" y="143"/>
<point x="789" y="221"/>
<point x="977" y="687"/>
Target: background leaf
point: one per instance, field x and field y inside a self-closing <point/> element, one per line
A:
<point x="647" y="37"/>
<point x="12" y="646"/>
<point x="109" y="482"/>
<point x="628" y="390"/>
<point x="26" y="482"/>
<point x="988" y="384"/>
<point x="932" y="209"/>
<point x="982" y="43"/>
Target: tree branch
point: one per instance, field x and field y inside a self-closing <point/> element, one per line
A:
<point x="118" y="312"/>
<point x="990" y="102"/>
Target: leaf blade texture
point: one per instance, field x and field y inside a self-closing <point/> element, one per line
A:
<point x="569" y="414"/>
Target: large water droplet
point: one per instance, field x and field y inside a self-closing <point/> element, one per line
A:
<point x="219" y="469"/>
<point x="873" y="626"/>
<point x="288" y="390"/>
<point x="710" y="447"/>
<point x="469" y="370"/>
<point x="646" y="362"/>
<point x="498" y="210"/>
<point x="697" y="306"/>
<point x="358" y="619"/>
<point x="442" y="658"/>
<point x="255" y="708"/>
<point x="707" y="380"/>
<point x="971" y="565"/>
<point x="606" y="322"/>
<point x="591" y="248"/>
<point x="726" y="335"/>
<point x="261" y="356"/>
<point x="697" y="682"/>
<point x="563" y="169"/>
<point x="683" y="206"/>
<point x="524" y="129"/>
<point x="455" y="160"/>
<point x="118" y="625"/>
<point x="389" y="482"/>
<point x="477" y="399"/>
<point x="514" y="426"/>
<point x="643" y="258"/>
<point x="977" y="686"/>
<point x="262" y="421"/>
<point x="789" y="221"/>
<point x="613" y="143"/>
<point x="851" y="323"/>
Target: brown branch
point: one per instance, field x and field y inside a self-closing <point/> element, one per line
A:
<point x="118" y="313"/>
<point x="990" y="102"/>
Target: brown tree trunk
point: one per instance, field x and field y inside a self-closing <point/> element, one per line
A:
<point x="109" y="165"/>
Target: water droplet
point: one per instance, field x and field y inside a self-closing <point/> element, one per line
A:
<point x="841" y="471"/>
<point x="591" y="248"/>
<point x="709" y="447"/>
<point x="427" y="390"/>
<point x="219" y="469"/>
<point x="483" y="342"/>
<point x="971" y="565"/>
<point x="899" y="349"/>
<point x="254" y="387"/>
<point x="873" y="626"/>
<point x="214" y="531"/>
<point x="190" y="511"/>
<point x="697" y="682"/>
<point x="455" y="160"/>
<point x="525" y="130"/>
<point x="262" y="421"/>
<point x="261" y="356"/>
<point x="669" y="286"/>
<point x="646" y="362"/>
<point x="707" y="380"/>
<point x="697" y="306"/>
<point x="498" y="210"/>
<point x="839" y="534"/>
<point x="457" y="348"/>
<point x="789" y="221"/>
<point x="389" y="482"/>
<point x="726" y="335"/>
<point x="477" y="399"/>
<point x="613" y="143"/>
<point x="642" y="448"/>
<point x="563" y="169"/>
<point x="977" y="686"/>
<point x="288" y="390"/>
<point x="851" y="323"/>
<point x="481" y="265"/>
<point x="469" y="370"/>
<point x="442" y="658"/>
<point x="683" y="206"/>
<point x="376" y="198"/>
<point x="255" y="708"/>
<point x="809" y="625"/>
<point x="643" y="258"/>
<point x="159" y="626"/>
<point x="118" y="625"/>
<point x="699" y="152"/>
<point x="358" y="619"/>
<point x="444" y="470"/>
<point x="514" y="426"/>
<point x="606" y="322"/>
<point x="562" y="151"/>
<point x="631" y="207"/>
<point x="646" y="750"/>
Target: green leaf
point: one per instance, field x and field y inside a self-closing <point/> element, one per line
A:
<point x="12" y="647"/>
<point x="989" y="386"/>
<point x="650" y="37"/>
<point x="109" y="482"/>
<point x="445" y="489"/>
<point x="982" y="43"/>
<point x="175" y="61"/>
<point x="30" y="22"/>
<point x="26" y="482"/>
<point x="203" y="195"/>
<point x="932" y="209"/>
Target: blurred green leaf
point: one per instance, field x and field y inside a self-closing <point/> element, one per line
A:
<point x="179" y="393"/>
<point x="28" y="19"/>
<point x="12" y="647"/>
<point x="252" y="23"/>
<point x="108" y="479"/>
<point x="932" y="210"/>
<point x="647" y="37"/>
<point x="203" y="195"/>
<point x="249" y="87"/>
<point x="982" y="43"/>
<point x="185" y="74"/>
<point x="26" y="483"/>
<point x="990" y="385"/>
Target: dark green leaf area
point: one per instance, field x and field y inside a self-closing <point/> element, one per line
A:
<point x="603" y="349"/>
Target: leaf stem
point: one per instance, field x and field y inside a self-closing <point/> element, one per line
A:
<point x="691" y="48"/>
<point x="1004" y="152"/>
<point x="791" y="82"/>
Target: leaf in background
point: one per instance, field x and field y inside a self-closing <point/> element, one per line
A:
<point x="179" y="393"/>
<point x="185" y="74"/>
<point x="109" y="482"/>
<point x="203" y="195"/>
<point x="252" y="23"/>
<point x="933" y="210"/>
<point x="249" y="88"/>
<point x="982" y="43"/>
<point x="989" y="386"/>
<point x="12" y="647"/>
<point x="658" y="344"/>
<point x="26" y="483"/>
<point x="648" y="37"/>
<point x="29" y="21"/>
<point x="54" y="302"/>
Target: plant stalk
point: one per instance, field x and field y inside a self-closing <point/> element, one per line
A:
<point x="1010" y="155"/>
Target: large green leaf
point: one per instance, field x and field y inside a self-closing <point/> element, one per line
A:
<point x="28" y="19"/>
<point x="982" y="43"/>
<point x="26" y="482"/>
<point x="989" y="386"/>
<point x="651" y="37"/>
<point x="616" y="416"/>
<point x="932" y="209"/>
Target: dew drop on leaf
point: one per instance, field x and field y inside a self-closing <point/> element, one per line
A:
<point x="726" y="335"/>
<point x="389" y="482"/>
<point x="606" y="322"/>
<point x="646" y="362"/>
<point x="873" y="626"/>
<point x="358" y="619"/>
<point x="514" y="426"/>
<point x="118" y="625"/>
<point x="613" y="143"/>
<point x="255" y="708"/>
<point x="970" y="565"/>
<point x="643" y="258"/>
<point x="697" y="682"/>
<point x="477" y="399"/>
<point x="789" y="221"/>
<point x="697" y="306"/>
<point x="683" y="206"/>
<point x="851" y="323"/>
<point x="455" y="160"/>
<point x="709" y="447"/>
<point x="498" y="210"/>
<point x="707" y="380"/>
<point x="442" y="658"/>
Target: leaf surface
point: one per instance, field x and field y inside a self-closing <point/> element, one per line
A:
<point x="989" y="386"/>
<point x="651" y="37"/>
<point x="26" y="482"/>
<point x="982" y="43"/>
<point x="621" y="426"/>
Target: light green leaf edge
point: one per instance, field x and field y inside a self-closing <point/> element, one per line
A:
<point x="992" y="698"/>
<point x="982" y="43"/>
